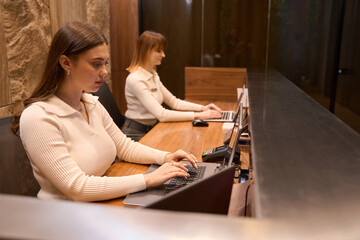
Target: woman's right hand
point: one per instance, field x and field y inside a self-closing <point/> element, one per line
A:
<point x="208" y="114"/>
<point x="165" y="172"/>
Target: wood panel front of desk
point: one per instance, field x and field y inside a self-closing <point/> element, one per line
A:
<point x="213" y="83"/>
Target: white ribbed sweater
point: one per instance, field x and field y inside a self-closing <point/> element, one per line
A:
<point x="144" y="93"/>
<point x="69" y="156"/>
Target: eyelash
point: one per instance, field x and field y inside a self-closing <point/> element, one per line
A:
<point x="98" y="65"/>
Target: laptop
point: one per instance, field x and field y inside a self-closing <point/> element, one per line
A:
<point x="229" y="116"/>
<point x="218" y="153"/>
<point x="207" y="195"/>
<point x="154" y="194"/>
<point x="204" y="171"/>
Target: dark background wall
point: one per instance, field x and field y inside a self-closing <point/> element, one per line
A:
<point x="180" y="22"/>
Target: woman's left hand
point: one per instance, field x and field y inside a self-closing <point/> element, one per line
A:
<point x="181" y="155"/>
<point x="211" y="106"/>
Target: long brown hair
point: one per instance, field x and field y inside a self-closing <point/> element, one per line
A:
<point x="70" y="40"/>
<point x="147" y="42"/>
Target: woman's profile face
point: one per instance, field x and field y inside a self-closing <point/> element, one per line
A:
<point x="156" y="56"/>
<point x="89" y="69"/>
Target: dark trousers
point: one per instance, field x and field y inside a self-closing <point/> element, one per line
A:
<point x="135" y="130"/>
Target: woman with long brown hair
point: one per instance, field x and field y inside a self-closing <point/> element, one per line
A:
<point x="145" y="93"/>
<point x="68" y="135"/>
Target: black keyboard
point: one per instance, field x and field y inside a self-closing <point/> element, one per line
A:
<point x="178" y="182"/>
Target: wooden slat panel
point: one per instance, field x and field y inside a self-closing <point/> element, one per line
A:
<point x="123" y="35"/>
<point x="64" y="11"/>
<point x="214" y="84"/>
<point x="5" y="97"/>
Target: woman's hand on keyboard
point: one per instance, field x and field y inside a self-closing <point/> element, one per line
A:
<point x="211" y="106"/>
<point x="208" y="114"/>
<point x="165" y="172"/>
<point x="181" y="155"/>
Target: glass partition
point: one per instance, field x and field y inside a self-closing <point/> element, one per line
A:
<point x="314" y="44"/>
<point x="306" y="41"/>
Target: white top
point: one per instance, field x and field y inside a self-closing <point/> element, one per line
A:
<point x="70" y="156"/>
<point x="145" y="93"/>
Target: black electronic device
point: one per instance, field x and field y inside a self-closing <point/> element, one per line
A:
<point x="199" y="123"/>
<point x="244" y="175"/>
<point x="217" y="154"/>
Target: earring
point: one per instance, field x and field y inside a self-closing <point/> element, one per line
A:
<point x="68" y="72"/>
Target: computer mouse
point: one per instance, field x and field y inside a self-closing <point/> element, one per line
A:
<point x="199" y="123"/>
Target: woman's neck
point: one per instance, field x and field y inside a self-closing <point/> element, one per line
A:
<point x="70" y="96"/>
<point x="148" y="68"/>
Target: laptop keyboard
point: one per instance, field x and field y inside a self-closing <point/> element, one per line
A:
<point x="178" y="182"/>
<point x="227" y="115"/>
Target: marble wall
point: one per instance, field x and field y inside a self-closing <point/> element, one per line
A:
<point x="26" y="30"/>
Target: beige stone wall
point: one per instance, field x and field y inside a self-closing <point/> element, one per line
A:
<point x="26" y="30"/>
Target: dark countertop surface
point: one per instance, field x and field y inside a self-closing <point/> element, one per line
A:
<point x="306" y="160"/>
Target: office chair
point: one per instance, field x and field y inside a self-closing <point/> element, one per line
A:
<point x="16" y="175"/>
<point x="107" y="100"/>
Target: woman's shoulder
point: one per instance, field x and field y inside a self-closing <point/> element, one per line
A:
<point x="139" y="75"/>
<point x="34" y="108"/>
<point x="35" y="118"/>
<point x="52" y="106"/>
<point x="33" y="113"/>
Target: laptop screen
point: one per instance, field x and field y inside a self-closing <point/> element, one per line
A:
<point x="228" y="159"/>
<point x="228" y="136"/>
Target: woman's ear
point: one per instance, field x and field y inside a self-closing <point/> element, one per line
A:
<point x="65" y="63"/>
